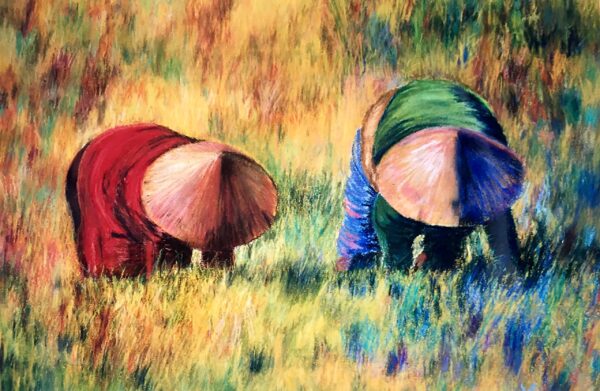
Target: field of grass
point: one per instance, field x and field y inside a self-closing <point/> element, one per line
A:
<point x="288" y="82"/>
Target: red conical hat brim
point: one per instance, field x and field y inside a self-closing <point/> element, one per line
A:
<point x="209" y="195"/>
<point x="449" y="177"/>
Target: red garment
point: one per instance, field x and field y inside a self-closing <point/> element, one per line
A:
<point x="114" y="237"/>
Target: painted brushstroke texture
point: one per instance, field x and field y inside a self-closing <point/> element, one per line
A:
<point x="209" y="195"/>
<point x="143" y="193"/>
<point x="289" y="82"/>
<point x="418" y="177"/>
<point x="114" y="236"/>
<point x="357" y="236"/>
<point x="424" y="104"/>
<point x="370" y="125"/>
<point x="449" y="177"/>
<point x="490" y="177"/>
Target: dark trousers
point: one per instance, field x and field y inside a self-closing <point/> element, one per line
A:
<point x="396" y="234"/>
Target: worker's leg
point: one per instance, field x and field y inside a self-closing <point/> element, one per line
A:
<point x="223" y="259"/>
<point x="173" y="252"/>
<point x="443" y="245"/>
<point x="396" y="235"/>
<point x="502" y="237"/>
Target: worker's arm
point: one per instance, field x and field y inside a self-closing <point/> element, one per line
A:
<point x="357" y="241"/>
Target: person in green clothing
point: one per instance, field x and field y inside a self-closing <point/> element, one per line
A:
<point x="431" y="159"/>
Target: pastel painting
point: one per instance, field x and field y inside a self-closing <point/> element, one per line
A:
<point x="299" y="195"/>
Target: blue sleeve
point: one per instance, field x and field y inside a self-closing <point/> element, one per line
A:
<point x="357" y="235"/>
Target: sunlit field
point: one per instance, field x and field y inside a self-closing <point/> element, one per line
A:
<point x="288" y="82"/>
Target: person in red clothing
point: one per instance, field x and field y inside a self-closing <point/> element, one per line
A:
<point x="143" y="194"/>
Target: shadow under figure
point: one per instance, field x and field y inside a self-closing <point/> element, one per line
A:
<point x="143" y="193"/>
<point x="431" y="159"/>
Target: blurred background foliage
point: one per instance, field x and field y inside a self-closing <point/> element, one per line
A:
<point x="289" y="82"/>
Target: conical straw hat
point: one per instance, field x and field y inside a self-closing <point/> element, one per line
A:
<point x="209" y="195"/>
<point x="449" y="177"/>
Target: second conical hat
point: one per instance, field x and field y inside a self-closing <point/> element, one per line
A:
<point x="209" y="195"/>
<point x="449" y="177"/>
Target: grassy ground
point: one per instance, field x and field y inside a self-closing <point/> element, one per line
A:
<point x="288" y="82"/>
